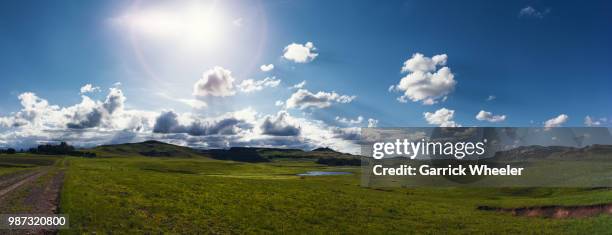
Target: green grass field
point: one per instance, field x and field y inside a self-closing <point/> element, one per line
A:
<point x="141" y="194"/>
<point x="136" y="194"/>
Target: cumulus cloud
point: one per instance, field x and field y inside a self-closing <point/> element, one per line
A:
<point x="531" y="12"/>
<point x="114" y="100"/>
<point x="87" y="88"/>
<point x="372" y="122"/>
<point x="266" y="67"/>
<point x="215" y="82"/>
<point x="278" y="130"/>
<point x="280" y="125"/>
<point x="489" y="117"/>
<point x="251" y="85"/>
<point x="86" y="114"/>
<point x="347" y="133"/>
<point x="556" y="121"/>
<point x="299" y="85"/>
<point x="35" y="112"/>
<point x="279" y="103"/>
<point x="86" y="120"/>
<point x="442" y="117"/>
<point x="300" y="53"/>
<point x="303" y="99"/>
<point x="90" y="113"/>
<point x="93" y="122"/>
<point x="424" y="81"/>
<point x="170" y="122"/>
<point x="589" y="121"/>
<point x="347" y="121"/>
<point x="90" y="122"/>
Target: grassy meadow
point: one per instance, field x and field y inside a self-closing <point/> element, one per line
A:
<point x="142" y="194"/>
<point x="131" y="193"/>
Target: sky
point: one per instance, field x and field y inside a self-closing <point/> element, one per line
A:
<point x="299" y="74"/>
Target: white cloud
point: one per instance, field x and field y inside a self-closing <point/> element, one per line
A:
<point x="114" y="100"/>
<point x="89" y="88"/>
<point x="588" y="121"/>
<point x="94" y="122"/>
<point x="419" y="62"/>
<point x="38" y="116"/>
<point x="372" y="122"/>
<point x="347" y="121"/>
<point x="402" y="99"/>
<point x="424" y="81"/>
<point x="280" y="125"/>
<point x="429" y="101"/>
<point x="489" y="117"/>
<point x="266" y="67"/>
<point x="556" y="121"/>
<point x="279" y="103"/>
<point x="442" y="117"/>
<point x="491" y="98"/>
<point x="215" y="82"/>
<point x="299" y="85"/>
<point x="303" y="99"/>
<point x="116" y="84"/>
<point x="35" y="112"/>
<point x="251" y="85"/>
<point x="531" y="12"/>
<point x="300" y="53"/>
<point x="194" y="103"/>
<point x="169" y="122"/>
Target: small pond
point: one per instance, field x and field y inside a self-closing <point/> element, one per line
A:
<point x="321" y="173"/>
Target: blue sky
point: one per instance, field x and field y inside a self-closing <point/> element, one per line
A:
<point x="540" y="60"/>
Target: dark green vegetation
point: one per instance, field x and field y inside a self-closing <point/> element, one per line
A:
<point x="324" y="156"/>
<point x="147" y="149"/>
<point x="153" y="148"/>
<point x="123" y="190"/>
<point x="60" y="149"/>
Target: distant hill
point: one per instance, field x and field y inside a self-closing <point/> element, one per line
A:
<point x="153" y="148"/>
<point x="325" y="156"/>
<point x="324" y="149"/>
<point x="555" y="152"/>
<point x="150" y="148"/>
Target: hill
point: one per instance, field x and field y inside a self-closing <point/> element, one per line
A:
<point x="325" y="156"/>
<point x="150" y="148"/>
<point x="154" y="148"/>
<point x="555" y="152"/>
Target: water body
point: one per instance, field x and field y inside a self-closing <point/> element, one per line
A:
<point x="322" y="173"/>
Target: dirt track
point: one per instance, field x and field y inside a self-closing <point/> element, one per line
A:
<point x="36" y="191"/>
<point x="33" y="192"/>
<point x="10" y="184"/>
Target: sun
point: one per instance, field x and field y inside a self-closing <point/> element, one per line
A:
<point x="194" y="25"/>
